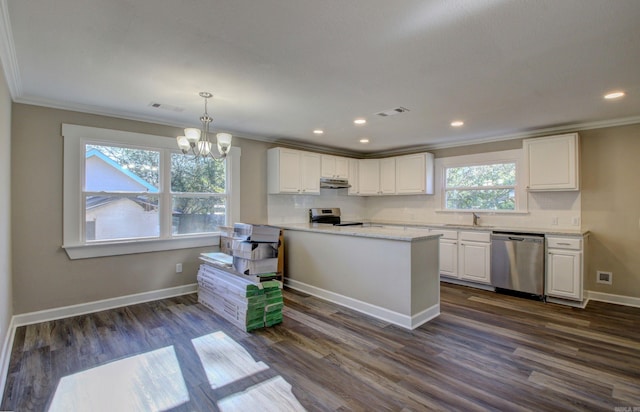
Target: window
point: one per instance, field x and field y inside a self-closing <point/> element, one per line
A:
<point x="129" y="193"/>
<point x="483" y="182"/>
<point x="481" y="187"/>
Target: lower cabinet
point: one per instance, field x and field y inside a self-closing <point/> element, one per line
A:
<point x="448" y="252"/>
<point x="474" y="256"/>
<point x="465" y="255"/>
<point x="565" y="262"/>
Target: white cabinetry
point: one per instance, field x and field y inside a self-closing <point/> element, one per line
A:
<point x="448" y="252"/>
<point x="474" y="256"/>
<point x="553" y="162"/>
<point x="465" y="255"/>
<point x="388" y="176"/>
<point x="414" y="174"/>
<point x="377" y="176"/>
<point x="334" y="167"/>
<point x="293" y="171"/>
<point x="354" y="188"/>
<point x="565" y="262"/>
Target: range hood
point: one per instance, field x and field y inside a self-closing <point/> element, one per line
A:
<point x="333" y="183"/>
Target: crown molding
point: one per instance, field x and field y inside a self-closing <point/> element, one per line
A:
<point x="8" y="58"/>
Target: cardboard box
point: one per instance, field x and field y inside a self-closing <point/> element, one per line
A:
<point x="226" y="245"/>
<point x="255" y="267"/>
<point x="256" y="233"/>
<point x="253" y="250"/>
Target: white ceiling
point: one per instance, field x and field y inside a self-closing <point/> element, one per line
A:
<point x="280" y="68"/>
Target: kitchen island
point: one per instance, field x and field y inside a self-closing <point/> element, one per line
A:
<point x="389" y="273"/>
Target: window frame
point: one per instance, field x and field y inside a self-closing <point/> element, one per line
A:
<point x="480" y="159"/>
<point x="75" y="138"/>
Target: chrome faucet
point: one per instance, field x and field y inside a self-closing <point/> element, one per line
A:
<point x="475" y="219"/>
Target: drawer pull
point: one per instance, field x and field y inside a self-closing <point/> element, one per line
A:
<point x="564" y="244"/>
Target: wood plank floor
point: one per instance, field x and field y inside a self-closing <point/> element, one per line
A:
<point x="484" y="352"/>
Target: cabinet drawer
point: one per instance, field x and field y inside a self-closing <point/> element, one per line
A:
<point x="476" y="236"/>
<point x="446" y="234"/>
<point x="564" y="243"/>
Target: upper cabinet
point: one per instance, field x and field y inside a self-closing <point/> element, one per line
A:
<point x="293" y="171"/>
<point x="354" y="188"/>
<point x="368" y="177"/>
<point x="334" y="167"/>
<point x="553" y="162"/>
<point x="377" y="176"/>
<point x="414" y="174"/>
<point x="296" y="171"/>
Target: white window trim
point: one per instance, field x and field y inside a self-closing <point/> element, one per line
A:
<point x="74" y="136"/>
<point x="506" y="156"/>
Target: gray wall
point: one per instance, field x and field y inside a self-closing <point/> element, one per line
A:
<point x="43" y="275"/>
<point x="611" y="207"/>
<point x="6" y="296"/>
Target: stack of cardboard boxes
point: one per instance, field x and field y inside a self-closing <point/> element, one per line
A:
<point x="237" y="283"/>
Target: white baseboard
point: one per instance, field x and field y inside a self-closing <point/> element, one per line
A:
<point x="5" y="355"/>
<point x="405" y="321"/>
<point x="615" y="299"/>
<point x="98" y="305"/>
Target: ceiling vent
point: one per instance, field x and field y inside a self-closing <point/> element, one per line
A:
<point x="166" y="107"/>
<point x="393" y="112"/>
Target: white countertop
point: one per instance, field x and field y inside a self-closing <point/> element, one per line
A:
<point x="402" y="233"/>
<point x="409" y="232"/>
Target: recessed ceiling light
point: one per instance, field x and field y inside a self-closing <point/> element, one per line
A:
<point x="360" y="121"/>
<point x="364" y="141"/>
<point x="457" y="123"/>
<point x="318" y="131"/>
<point x="614" y="95"/>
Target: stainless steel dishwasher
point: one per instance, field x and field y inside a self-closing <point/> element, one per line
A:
<point x="517" y="263"/>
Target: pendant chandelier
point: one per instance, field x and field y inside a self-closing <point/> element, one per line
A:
<point x="197" y="141"/>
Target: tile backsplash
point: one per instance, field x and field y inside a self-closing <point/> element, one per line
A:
<point x="546" y="210"/>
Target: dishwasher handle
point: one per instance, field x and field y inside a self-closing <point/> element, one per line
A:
<point x="516" y="237"/>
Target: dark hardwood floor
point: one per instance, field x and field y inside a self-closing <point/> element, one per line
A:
<point x="484" y="352"/>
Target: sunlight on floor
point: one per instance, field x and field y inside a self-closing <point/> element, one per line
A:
<point x="149" y="381"/>
<point x="153" y="381"/>
<point x="271" y="395"/>
<point x="224" y="360"/>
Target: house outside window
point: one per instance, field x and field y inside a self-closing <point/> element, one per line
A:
<point x="128" y="193"/>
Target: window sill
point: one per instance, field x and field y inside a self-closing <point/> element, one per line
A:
<point x="485" y="212"/>
<point x="93" y="250"/>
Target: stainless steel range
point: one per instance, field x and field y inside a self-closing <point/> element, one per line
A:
<point x="329" y="216"/>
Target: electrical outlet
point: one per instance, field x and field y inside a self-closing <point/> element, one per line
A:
<point x="178" y="267"/>
<point x="554" y="220"/>
<point x="575" y="221"/>
<point x="604" y="277"/>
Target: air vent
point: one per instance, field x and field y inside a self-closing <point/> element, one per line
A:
<point x="393" y="112"/>
<point x="166" y="107"/>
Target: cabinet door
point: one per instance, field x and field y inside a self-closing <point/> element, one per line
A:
<point x="289" y="171"/>
<point x="309" y="173"/>
<point x="388" y="175"/>
<point x="410" y="174"/>
<point x="564" y="274"/>
<point x="369" y="176"/>
<point x="353" y="177"/>
<point x="342" y="167"/>
<point x="474" y="261"/>
<point x="553" y="162"/>
<point x="328" y="166"/>
<point x="448" y="258"/>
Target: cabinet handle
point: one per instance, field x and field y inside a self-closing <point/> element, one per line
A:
<point x="564" y="244"/>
